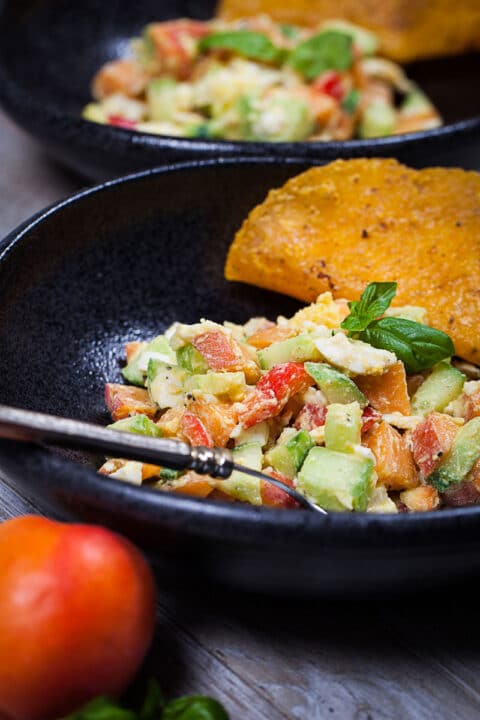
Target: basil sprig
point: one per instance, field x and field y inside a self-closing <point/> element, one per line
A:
<point x="328" y="50"/>
<point x="418" y="346"/>
<point x="154" y="707"/>
<point x="253" y="45"/>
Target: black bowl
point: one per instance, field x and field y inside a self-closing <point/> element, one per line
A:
<point x="50" y="49"/>
<point x="122" y="261"/>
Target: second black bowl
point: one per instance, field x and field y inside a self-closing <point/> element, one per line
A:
<point x="50" y="50"/>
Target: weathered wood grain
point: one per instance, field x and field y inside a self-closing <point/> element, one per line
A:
<point x="414" y="658"/>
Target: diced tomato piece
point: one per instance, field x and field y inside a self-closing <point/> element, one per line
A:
<point x="219" y="419"/>
<point x="330" y="83"/>
<point x="119" y="76"/>
<point x="175" y="45"/>
<point x="431" y="439"/>
<point x="265" y="337"/>
<point x="472" y="406"/>
<point x="387" y="393"/>
<point x="219" y="351"/>
<point x="192" y="484"/>
<point x="224" y="354"/>
<point x="194" y="430"/>
<point x="394" y="462"/>
<point x="275" y="497"/>
<point x="311" y="416"/>
<point x="131" y="348"/>
<point x="369" y="418"/>
<point x="273" y="391"/>
<point x="125" y="400"/>
<point x="122" y="122"/>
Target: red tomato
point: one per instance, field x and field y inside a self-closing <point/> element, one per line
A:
<point x="125" y="400"/>
<point x="273" y="391"/>
<point x="369" y="418"/>
<point x="330" y="83"/>
<point x="273" y="496"/>
<point x="77" y="615"/>
<point x="194" y="430"/>
<point x="218" y="351"/>
<point x="431" y="439"/>
<point x="311" y="416"/>
<point x="122" y="122"/>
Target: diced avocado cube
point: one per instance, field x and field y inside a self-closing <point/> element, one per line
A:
<point x="139" y="424"/>
<point x="95" y="113"/>
<point x="165" y="384"/>
<point x="343" y="426"/>
<point x="443" y="385"/>
<point x="464" y="453"/>
<point x="257" y="434"/>
<point x="282" y="118"/>
<point x="415" y="102"/>
<point x="229" y="386"/>
<point x="240" y="486"/>
<point x="167" y="474"/>
<point x="158" y="349"/>
<point x="337" y="387"/>
<point x="162" y="99"/>
<point x="336" y="480"/>
<point x="191" y="360"/>
<point x="288" y="458"/>
<point x="295" y="349"/>
<point x="378" y="120"/>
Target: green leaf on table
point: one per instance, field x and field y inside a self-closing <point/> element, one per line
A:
<point x="253" y="45"/>
<point x="329" y="50"/>
<point x="194" y="707"/>
<point x="417" y="346"/>
<point x="375" y="299"/>
<point x="154" y="702"/>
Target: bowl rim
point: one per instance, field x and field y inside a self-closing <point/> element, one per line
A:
<point x="428" y="527"/>
<point x="14" y="98"/>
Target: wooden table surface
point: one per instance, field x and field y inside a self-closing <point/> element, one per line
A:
<point x="397" y="658"/>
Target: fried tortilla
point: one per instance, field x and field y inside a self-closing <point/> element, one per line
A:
<point x="343" y="225"/>
<point x="407" y="29"/>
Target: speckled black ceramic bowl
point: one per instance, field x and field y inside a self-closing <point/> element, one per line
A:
<point x="50" y="50"/>
<point x="120" y="262"/>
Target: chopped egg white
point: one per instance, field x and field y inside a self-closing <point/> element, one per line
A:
<point x="130" y="472"/>
<point x="354" y="356"/>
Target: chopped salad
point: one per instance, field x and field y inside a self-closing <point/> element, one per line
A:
<point x="357" y="405"/>
<point x="258" y="80"/>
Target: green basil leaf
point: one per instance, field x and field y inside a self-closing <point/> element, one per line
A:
<point x="194" y="707"/>
<point x="154" y="702"/>
<point x="102" y="708"/>
<point x="250" y="44"/>
<point x="329" y="50"/>
<point x="418" y="346"/>
<point x="375" y="299"/>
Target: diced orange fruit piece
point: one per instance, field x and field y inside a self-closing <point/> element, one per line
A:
<point x="192" y="484"/>
<point x="265" y="337"/>
<point x="125" y="400"/>
<point x="387" y="393"/>
<point x="431" y="439"/>
<point x="421" y="499"/>
<point x="170" y="421"/>
<point x="394" y="462"/>
<point x="219" y="419"/>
